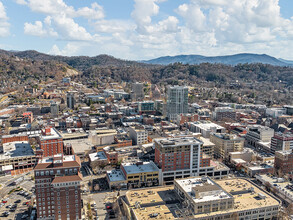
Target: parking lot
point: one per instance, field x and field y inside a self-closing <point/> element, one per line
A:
<point x="15" y="205"/>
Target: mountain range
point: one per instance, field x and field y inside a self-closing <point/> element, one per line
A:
<point x="82" y="62"/>
<point x="228" y="60"/>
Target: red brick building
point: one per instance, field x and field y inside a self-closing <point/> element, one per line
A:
<point x="28" y="117"/>
<point x="184" y="118"/>
<point x="14" y="137"/>
<point x="50" y="142"/>
<point x="57" y="183"/>
<point x="284" y="162"/>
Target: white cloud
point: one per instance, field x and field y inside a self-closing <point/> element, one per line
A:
<point x="208" y="27"/>
<point x="37" y="29"/>
<point x="142" y="13"/>
<point x="4" y="25"/>
<point x="94" y="13"/>
<point x="21" y="2"/>
<point x="68" y="29"/>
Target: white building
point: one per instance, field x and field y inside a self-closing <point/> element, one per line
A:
<point x="138" y="135"/>
<point x="205" y="128"/>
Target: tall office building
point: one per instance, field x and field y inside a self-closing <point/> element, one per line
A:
<point x="70" y="100"/>
<point x="54" y="109"/>
<point x="57" y="183"/>
<point x="177" y="101"/>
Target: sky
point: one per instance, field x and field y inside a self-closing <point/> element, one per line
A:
<point x="146" y="29"/>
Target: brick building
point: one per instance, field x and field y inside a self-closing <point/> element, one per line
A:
<point x="57" y="183"/>
<point x="50" y="142"/>
<point x="284" y="162"/>
<point x="183" y="157"/>
<point x="14" y="137"/>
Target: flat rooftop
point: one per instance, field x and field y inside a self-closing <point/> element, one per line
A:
<point x="16" y="149"/>
<point x="97" y="156"/>
<point x="189" y="185"/>
<point x="116" y="176"/>
<point x="206" y="125"/>
<point x="151" y="203"/>
<point x="168" y="142"/>
<point x="79" y="145"/>
<point x="54" y="135"/>
<point x="132" y="168"/>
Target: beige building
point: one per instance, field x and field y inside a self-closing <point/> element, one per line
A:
<point x="202" y="198"/>
<point x="138" y="135"/>
<point x="226" y="143"/>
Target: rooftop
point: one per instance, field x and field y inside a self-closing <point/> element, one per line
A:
<point x="68" y="161"/>
<point x="16" y="149"/>
<point x="79" y="145"/>
<point x="116" y="176"/>
<point x="97" y="156"/>
<point x="168" y="142"/>
<point x="132" y="168"/>
<point x="194" y="185"/>
<point x="54" y="134"/>
<point x="62" y="179"/>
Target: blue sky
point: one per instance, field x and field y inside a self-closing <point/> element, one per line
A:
<point x="144" y="29"/>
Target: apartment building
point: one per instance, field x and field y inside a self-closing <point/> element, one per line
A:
<point x="177" y="101"/>
<point x="226" y="143"/>
<point x="182" y="157"/>
<point x="50" y="142"/>
<point x="70" y="100"/>
<point x="57" y="183"/>
<point x="137" y="92"/>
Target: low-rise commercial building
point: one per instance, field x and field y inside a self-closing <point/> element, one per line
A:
<point x="204" y="199"/>
<point x="138" y="135"/>
<point x="139" y="174"/>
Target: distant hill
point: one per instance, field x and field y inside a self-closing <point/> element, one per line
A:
<point x="79" y="62"/>
<point x="228" y="60"/>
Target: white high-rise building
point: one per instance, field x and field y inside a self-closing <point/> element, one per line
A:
<point x="177" y="101"/>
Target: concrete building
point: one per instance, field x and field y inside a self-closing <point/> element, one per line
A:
<point x="282" y="142"/>
<point x="70" y="100"/>
<point x="183" y="157"/>
<point x="57" y="183"/>
<point x="17" y="157"/>
<point x="275" y="112"/>
<point x="224" y="113"/>
<point x="177" y="101"/>
<point x="50" y="142"/>
<point x="205" y="128"/>
<point x="258" y="136"/>
<point x="202" y="198"/>
<point x="54" y="109"/>
<point x="226" y="143"/>
<point x="137" y="92"/>
<point x="138" y="135"/>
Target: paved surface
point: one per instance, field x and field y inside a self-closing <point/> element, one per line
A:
<point x="6" y="187"/>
